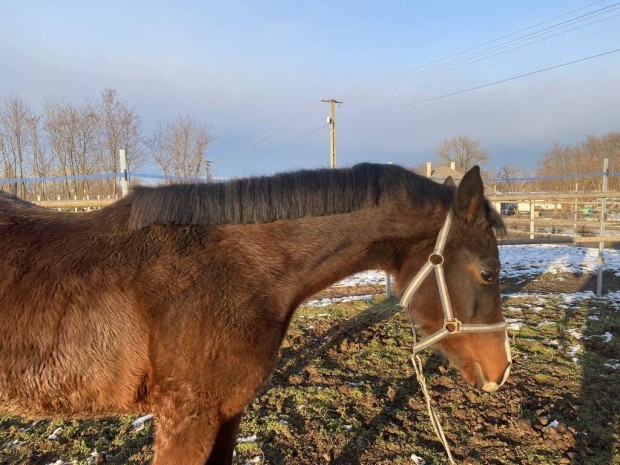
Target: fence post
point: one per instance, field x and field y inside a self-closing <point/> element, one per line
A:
<point x="601" y="245"/>
<point x="576" y="191"/>
<point x="532" y="205"/>
<point x="124" y="174"/>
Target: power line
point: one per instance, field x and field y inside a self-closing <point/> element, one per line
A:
<point x="256" y="143"/>
<point x="452" y="62"/>
<point x="471" y="89"/>
<point x="308" y="110"/>
<point x="473" y="59"/>
<point x="277" y="147"/>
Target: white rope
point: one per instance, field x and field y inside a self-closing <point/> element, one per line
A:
<point x="417" y="365"/>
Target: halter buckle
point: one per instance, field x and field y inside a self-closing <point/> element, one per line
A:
<point x="452" y="326"/>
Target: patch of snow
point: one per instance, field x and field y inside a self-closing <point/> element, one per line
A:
<point x="536" y="259"/>
<point x="247" y="439"/>
<point x="514" y="324"/>
<point x="514" y="310"/>
<point x="55" y="434"/>
<point x="607" y="336"/>
<point x="549" y="299"/>
<point x="417" y="460"/>
<point x="553" y="424"/>
<point x="257" y="459"/>
<point x="593" y="318"/>
<point x="545" y="323"/>
<point x="572" y="351"/>
<point x="365" y="277"/>
<point x="615" y="296"/>
<point x="320" y="303"/>
<point x="574" y="333"/>
<point x="139" y="423"/>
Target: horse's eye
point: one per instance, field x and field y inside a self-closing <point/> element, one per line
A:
<point x="488" y="276"/>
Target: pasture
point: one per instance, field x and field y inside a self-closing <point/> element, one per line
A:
<point x="344" y="391"/>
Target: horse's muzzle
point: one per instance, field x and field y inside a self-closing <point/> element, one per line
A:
<point x="490" y="386"/>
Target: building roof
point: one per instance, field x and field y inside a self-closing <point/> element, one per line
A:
<point x="440" y="174"/>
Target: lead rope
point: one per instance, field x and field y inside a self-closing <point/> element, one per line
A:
<point x="417" y="365"/>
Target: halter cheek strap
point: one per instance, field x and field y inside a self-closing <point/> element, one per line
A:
<point x="451" y="325"/>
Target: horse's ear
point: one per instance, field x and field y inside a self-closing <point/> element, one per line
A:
<point x="449" y="182"/>
<point x="469" y="195"/>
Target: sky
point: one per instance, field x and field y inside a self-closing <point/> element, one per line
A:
<point x="255" y="72"/>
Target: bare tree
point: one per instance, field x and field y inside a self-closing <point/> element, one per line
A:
<point x="466" y="152"/>
<point x="582" y="158"/>
<point x="16" y="145"/>
<point x="72" y="136"/>
<point x="179" y="147"/>
<point x="120" y="129"/>
<point x="41" y="164"/>
<point x="511" y="179"/>
<point x="506" y="175"/>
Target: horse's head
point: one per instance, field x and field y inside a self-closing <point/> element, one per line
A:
<point x="477" y="342"/>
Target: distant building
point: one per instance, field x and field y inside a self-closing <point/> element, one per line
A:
<point x="441" y="173"/>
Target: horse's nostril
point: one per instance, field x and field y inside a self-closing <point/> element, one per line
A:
<point x="480" y="381"/>
<point x="489" y="386"/>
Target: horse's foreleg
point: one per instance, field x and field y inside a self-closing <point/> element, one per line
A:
<point x="226" y="439"/>
<point x="186" y="441"/>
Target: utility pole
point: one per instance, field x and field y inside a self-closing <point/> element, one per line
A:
<point x="331" y="120"/>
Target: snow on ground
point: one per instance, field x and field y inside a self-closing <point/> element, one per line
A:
<point x="519" y="260"/>
<point x="139" y="423"/>
<point x="318" y="303"/>
<point x="365" y="277"/>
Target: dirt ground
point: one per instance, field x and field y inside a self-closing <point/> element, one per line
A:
<point x="344" y="392"/>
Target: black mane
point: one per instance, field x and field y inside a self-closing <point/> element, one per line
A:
<point x="283" y="196"/>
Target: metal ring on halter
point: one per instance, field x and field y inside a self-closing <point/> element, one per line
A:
<point x="432" y="261"/>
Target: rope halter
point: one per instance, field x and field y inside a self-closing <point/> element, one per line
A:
<point x="451" y="325"/>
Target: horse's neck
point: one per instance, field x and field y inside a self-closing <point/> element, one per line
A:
<point x="312" y="253"/>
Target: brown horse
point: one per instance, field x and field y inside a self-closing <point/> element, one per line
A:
<point x="175" y="300"/>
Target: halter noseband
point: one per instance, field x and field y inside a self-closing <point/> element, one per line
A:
<point x="451" y="325"/>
